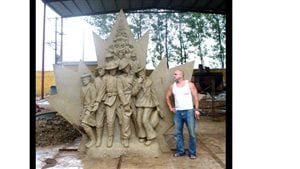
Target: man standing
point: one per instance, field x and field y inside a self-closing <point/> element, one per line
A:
<point x="186" y="99"/>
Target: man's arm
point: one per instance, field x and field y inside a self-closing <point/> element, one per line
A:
<point x="168" y="99"/>
<point x="195" y="99"/>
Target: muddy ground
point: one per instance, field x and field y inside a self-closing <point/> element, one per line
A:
<point x="53" y="129"/>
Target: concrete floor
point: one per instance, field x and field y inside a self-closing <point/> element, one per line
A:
<point x="210" y="153"/>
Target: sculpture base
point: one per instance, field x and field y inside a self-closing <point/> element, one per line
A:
<point x="135" y="147"/>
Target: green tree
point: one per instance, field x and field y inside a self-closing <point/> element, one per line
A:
<point x="176" y="36"/>
<point x="103" y="22"/>
<point x="198" y="33"/>
<point x="218" y="33"/>
<point x="180" y="47"/>
<point x="158" y="37"/>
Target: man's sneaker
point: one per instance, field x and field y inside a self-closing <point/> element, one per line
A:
<point x="192" y="157"/>
<point x="178" y="154"/>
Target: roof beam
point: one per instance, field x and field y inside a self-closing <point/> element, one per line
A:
<point x="169" y="4"/>
<point x="77" y="6"/>
<point x="86" y="7"/>
<point x="89" y="5"/>
<point x="129" y="3"/>
<point x="67" y="7"/>
<point x="155" y="2"/>
<point x="116" y="3"/>
<point x="101" y="1"/>
<point x="182" y="1"/>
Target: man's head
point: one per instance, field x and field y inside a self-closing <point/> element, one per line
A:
<point x="178" y="75"/>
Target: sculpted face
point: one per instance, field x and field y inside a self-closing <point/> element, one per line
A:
<point x="101" y="72"/>
<point x="127" y="69"/>
<point x="113" y="72"/>
<point x="85" y="80"/>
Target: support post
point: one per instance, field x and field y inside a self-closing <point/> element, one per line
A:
<point x="61" y="41"/>
<point x="43" y="53"/>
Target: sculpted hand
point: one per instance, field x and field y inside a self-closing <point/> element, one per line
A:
<point x="140" y="80"/>
<point x="161" y="115"/>
<point x="127" y="107"/>
<point x="96" y="104"/>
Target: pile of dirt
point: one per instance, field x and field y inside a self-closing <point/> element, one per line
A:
<point x="52" y="129"/>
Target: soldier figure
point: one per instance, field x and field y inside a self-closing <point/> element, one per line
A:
<point x="110" y="90"/>
<point x="100" y="115"/>
<point x="147" y="106"/>
<point x="126" y="83"/>
<point x="88" y="95"/>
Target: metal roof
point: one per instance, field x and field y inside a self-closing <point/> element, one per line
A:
<point x="71" y="8"/>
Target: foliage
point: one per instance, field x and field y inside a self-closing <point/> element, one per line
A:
<point x="177" y="36"/>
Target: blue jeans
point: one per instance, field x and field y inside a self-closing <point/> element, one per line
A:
<point x="187" y="117"/>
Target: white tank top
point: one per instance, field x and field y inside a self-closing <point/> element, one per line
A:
<point x="183" y="97"/>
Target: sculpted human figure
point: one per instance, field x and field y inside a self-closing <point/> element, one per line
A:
<point x="100" y="115"/>
<point x="110" y="90"/>
<point x="126" y="83"/>
<point x="147" y="108"/>
<point x="134" y="63"/>
<point x="88" y="95"/>
<point x="110" y="57"/>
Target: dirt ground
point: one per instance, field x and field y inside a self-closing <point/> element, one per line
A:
<point x="52" y="129"/>
<point x="61" y="152"/>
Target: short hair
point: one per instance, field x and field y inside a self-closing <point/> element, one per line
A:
<point x="182" y="72"/>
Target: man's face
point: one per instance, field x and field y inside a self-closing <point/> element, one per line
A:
<point x="177" y="75"/>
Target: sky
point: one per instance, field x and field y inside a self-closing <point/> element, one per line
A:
<point x="77" y="41"/>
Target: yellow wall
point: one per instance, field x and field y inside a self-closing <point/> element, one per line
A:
<point x="49" y="80"/>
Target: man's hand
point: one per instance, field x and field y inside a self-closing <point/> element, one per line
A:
<point x="172" y="109"/>
<point x="197" y="115"/>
